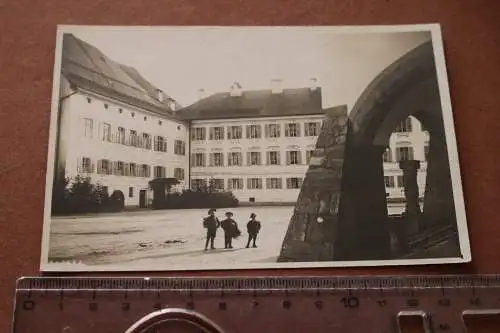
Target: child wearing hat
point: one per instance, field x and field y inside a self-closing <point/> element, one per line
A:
<point x="253" y="228"/>
<point x="211" y="223"/>
<point x="231" y="230"/>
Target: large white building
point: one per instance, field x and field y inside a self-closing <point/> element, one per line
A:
<point x="116" y="128"/>
<point x="121" y="131"/>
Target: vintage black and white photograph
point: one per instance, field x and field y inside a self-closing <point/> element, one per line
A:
<point x="203" y="148"/>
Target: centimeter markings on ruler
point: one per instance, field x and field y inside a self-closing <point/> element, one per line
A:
<point x="447" y="298"/>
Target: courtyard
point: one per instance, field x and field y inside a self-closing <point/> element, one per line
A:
<point x="172" y="239"/>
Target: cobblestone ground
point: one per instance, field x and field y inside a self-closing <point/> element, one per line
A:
<point x="172" y="239"/>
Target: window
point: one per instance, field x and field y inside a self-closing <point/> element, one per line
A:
<point x="199" y="134"/>
<point x="309" y="154"/>
<point x="273" y="131"/>
<point x="132" y="170"/>
<point x="293" y="157"/>
<point x="274" y="183"/>
<point x="273" y="158"/>
<point x="404" y="153"/>
<point x="160" y="172"/>
<point x="216" y="159"/>
<point x="253" y="131"/>
<point x="234" y="132"/>
<point x="179" y="173"/>
<point x="198" y="159"/>
<point x="145" y="171"/>
<point x="160" y="144"/>
<point x="426" y="152"/>
<point x="401" y="182"/>
<point x="197" y="184"/>
<point x="234" y="159"/>
<point x="179" y="147"/>
<point x="389" y="181"/>
<point x="146" y="141"/>
<point x="106" y="132"/>
<point x="119" y="168"/>
<point x="130" y="192"/>
<point x="134" y="140"/>
<point x="292" y="130"/>
<point x="235" y="183"/>
<point x="217" y="184"/>
<point x="311" y="129"/>
<point x="85" y="165"/>
<point x="253" y="158"/>
<point x="104" y="167"/>
<point x="254" y="183"/>
<point x="216" y="133"/>
<point x="387" y="157"/>
<point x="404" y="126"/>
<point x="88" y="127"/>
<point x="121" y="135"/>
<point x="293" y="183"/>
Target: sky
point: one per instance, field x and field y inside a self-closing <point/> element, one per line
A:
<point x="181" y="60"/>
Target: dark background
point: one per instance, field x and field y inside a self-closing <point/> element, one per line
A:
<point x="471" y="32"/>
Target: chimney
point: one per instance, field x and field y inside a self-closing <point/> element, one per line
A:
<point x="276" y="86"/>
<point x="313" y="84"/>
<point x="201" y="93"/>
<point x="236" y="89"/>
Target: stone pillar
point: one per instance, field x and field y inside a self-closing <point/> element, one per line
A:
<point x="412" y="209"/>
<point x="439" y="207"/>
<point x="363" y="229"/>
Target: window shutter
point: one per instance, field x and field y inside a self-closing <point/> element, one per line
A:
<point x="280" y="183"/>
<point x="299" y="157"/>
<point x="249" y="183"/>
<point x="268" y="158"/>
<point x="211" y="133"/>
<point x="222" y="130"/>
<point x="410" y="153"/>
<point x="193" y="159"/>
<point x="266" y="130"/>
<point x="307" y="129"/>
<point x="259" y="131"/>
<point x="288" y="153"/>
<point x="287" y="129"/>
<point x="278" y="158"/>
<point x="211" y="159"/>
<point x="229" y="133"/>
<point x="300" y="181"/>
<point x="398" y="154"/>
<point x="247" y="130"/>
<point x="298" y="128"/>
<point x="230" y="184"/>
<point x="249" y="158"/>
<point x="126" y="170"/>
<point x="229" y="162"/>
<point x="221" y="159"/>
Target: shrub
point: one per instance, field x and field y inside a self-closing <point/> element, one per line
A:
<point x="200" y="199"/>
<point x="80" y="196"/>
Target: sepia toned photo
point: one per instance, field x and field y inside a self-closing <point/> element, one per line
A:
<point x="203" y="148"/>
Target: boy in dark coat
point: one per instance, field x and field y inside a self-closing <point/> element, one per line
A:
<point x="253" y="228"/>
<point x="211" y="223"/>
<point x="231" y="231"/>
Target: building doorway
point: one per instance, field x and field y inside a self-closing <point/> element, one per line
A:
<point x="143" y="199"/>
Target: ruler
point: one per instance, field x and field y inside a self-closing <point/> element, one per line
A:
<point x="382" y="304"/>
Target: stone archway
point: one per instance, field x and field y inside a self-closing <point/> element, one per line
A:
<point x="407" y="87"/>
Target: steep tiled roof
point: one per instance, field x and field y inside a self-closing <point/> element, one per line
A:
<point x="256" y="103"/>
<point x="87" y="67"/>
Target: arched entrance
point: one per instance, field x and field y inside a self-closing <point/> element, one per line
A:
<point x="407" y="87"/>
<point x="117" y="200"/>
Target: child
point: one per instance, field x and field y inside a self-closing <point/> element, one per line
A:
<point x="231" y="231"/>
<point x="253" y="228"/>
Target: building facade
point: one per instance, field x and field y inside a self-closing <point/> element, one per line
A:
<point x="120" y="131"/>
<point x="120" y="135"/>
